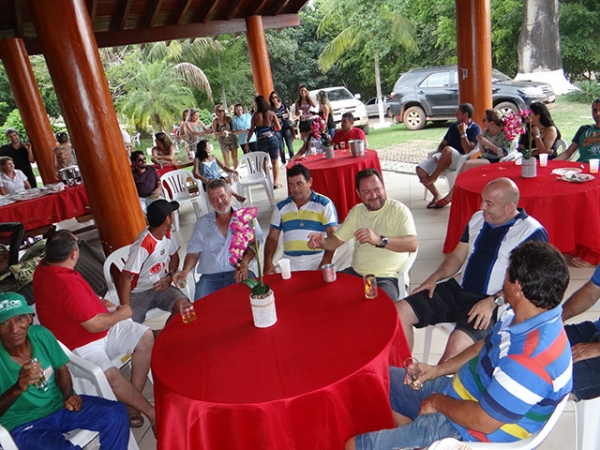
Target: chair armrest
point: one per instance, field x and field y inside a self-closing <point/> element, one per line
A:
<point x="6" y="440"/>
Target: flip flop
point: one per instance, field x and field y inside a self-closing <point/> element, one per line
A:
<point x="431" y="204"/>
<point x="581" y="263"/>
<point x="136" y="420"/>
<point x="277" y="186"/>
<point x="440" y="204"/>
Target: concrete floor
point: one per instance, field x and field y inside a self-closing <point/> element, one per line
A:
<point x="431" y="229"/>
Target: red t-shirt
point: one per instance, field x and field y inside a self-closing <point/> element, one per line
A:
<point x="63" y="301"/>
<point x="354" y="133"/>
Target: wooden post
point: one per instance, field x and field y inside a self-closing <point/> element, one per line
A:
<point x="259" y="56"/>
<point x="76" y="69"/>
<point x="30" y="105"/>
<point x="474" y="48"/>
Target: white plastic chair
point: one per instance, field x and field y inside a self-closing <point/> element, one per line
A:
<point x="256" y="162"/>
<point x="87" y="379"/>
<point x="448" y="174"/>
<point x="136" y="139"/>
<point x="404" y="276"/>
<point x="587" y="419"/>
<point x="175" y="186"/>
<point x="118" y="259"/>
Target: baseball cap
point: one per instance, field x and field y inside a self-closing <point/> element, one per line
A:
<point x="13" y="304"/>
<point x="159" y="210"/>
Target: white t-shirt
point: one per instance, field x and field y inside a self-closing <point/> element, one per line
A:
<point x="148" y="259"/>
<point x="9" y="185"/>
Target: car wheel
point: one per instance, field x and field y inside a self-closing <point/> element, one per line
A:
<point x="507" y="107"/>
<point x="366" y="129"/>
<point x="414" y="118"/>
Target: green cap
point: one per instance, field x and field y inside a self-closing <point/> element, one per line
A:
<point x="13" y="304"/>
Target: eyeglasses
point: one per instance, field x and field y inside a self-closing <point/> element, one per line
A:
<point x="140" y="159"/>
<point x="219" y="110"/>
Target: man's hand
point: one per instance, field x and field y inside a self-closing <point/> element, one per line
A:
<point x="124" y="311"/>
<point x="29" y="374"/>
<point x="462" y="128"/>
<point x="241" y="272"/>
<point x="585" y="351"/>
<point x="163" y="283"/>
<point x="367" y="236"/>
<point x="180" y="275"/>
<point x="316" y="240"/>
<point x="428" y="285"/>
<point x="269" y="268"/>
<point x="73" y="403"/>
<point x="427" y="406"/>
<point x="481" y="313"/>
<point x="107" y="303"/>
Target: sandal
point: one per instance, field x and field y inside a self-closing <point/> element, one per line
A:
<point x="440" y="204"/>
<point x="581" y="263"/>
<point x="277" y="186"/>
<point x="136" y="420"/>
<point x="431" y="204"/>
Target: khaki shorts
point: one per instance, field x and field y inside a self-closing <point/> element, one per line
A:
<point x="430" y="164"/>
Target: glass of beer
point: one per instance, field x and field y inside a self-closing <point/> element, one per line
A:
<point x="188" y="313"/>
<point x="413" y="372"/>
<point x="370" y="286"/>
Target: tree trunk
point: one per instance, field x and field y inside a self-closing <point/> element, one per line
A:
<point x="539" y="41"/>
<point x="378" y="87"/>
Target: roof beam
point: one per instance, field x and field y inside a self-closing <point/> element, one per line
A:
<point x="119" y="20"/>
<point x="172" y="32"/>
<point x="232" y="8"/>
<point x="204" y="13"/>
<point x="18" y="18"/>
<point x="92" y="6"/>
<point x="178" y="15"/>
<point x="152" y="13"/>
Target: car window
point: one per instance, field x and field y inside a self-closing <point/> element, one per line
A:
<point x="339" y="94"/>
<point x="438" y="79"/>
<point x="454" y="77"/>
<point x="371" y="102"/>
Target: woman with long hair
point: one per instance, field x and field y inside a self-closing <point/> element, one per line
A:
<point x="281" y="110"/>
<point x="163" y="152"/>
<point x="223" y="130"/>
<point x="63" y="154"/>
<point x="264" y="122"/>
<point x="326" y="112"/>
<point x="195" y="131"/>
<point x="544" y="134"/>
<point x="305" y="107"/>
<point x="206" y="167"/>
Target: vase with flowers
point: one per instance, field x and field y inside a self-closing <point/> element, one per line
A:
<point x="262" y="299"/>
<point x="318" y="132"/>
<point x="515" y="125"/>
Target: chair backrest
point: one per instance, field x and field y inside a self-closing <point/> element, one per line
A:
<point x="532" y="441"/>
<point x="404" y="276"/>
<point x="117" y="259"/>
<point x="255" y="163"/>
<point x="561" y="145"/>
<point x="175" y="185"/>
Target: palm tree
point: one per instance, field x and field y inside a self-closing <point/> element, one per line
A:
<point x="369" y="25"/>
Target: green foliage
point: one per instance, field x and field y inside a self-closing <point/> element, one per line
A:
<point x="507" y="18"/>
<point x="590" y="91"/>
<point x="579" y="22"/>
<point x="255" y="287"/>
<point x="13" y="120"/>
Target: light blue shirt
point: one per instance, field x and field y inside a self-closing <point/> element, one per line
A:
<point x="243" y="122"/>
<point x="213" y="246"/>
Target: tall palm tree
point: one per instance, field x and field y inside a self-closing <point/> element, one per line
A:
<point x="368" y="25"/>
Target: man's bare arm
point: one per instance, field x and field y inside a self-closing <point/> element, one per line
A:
<point x="103" y="321"/>
<point x="581" y="300"/>
<point x="270" y="248"/>
<point x="449" y="267"/>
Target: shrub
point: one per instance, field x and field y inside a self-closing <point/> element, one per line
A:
<point x="589" y="91"/>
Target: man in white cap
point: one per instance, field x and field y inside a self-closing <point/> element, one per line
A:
<point x="37" y="402"/>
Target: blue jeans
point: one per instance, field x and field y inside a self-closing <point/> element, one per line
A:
<point x="423" y="430"/>
<point x="586" y="383"/>
<point x="211" y="282"/>
<point x="289" y="141"/>
<point x="107" y="417"/>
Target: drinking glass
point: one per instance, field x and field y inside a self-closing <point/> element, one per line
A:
<point x="413" y="372"/>
<point x="41" y="384"/>
<point x="370" y="286"/>
<point x="284" y="266"/>
<point x="594" y="165"/>
<point x="188" y="313"/>
<point x="543" y="159"/>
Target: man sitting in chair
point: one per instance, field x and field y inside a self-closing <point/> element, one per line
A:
<point x="146" y="179"/>
<point x="146" y="279"/>
<point x="505" y="387"/>
<point x="459" y="140"/>
<point x="68" y="306"/>
<point x="37" y="401"/>
<point x="485" y="247"/>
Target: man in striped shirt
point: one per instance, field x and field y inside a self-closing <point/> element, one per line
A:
<point x="303" y="212"/>
<point x="506" y="386"/>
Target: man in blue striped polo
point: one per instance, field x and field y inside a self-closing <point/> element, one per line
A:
<point x="303" y="212"/>
<point x="483" y="255"/>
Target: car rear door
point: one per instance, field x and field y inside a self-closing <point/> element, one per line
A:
<point x="436" y="91"/>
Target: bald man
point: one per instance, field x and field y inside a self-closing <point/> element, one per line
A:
<point x="485" y="247"/>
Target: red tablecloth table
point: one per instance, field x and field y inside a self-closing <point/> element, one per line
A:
<point x="49" y="209"/>
<point x="334" y="177"/>
<point x="570" y="212"/>
<point x="311" y="381"/>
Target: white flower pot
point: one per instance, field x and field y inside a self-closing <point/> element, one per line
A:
<point x="529" y="168"/>
<point x="263" y="310"/>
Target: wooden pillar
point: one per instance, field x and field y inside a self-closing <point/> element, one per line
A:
<point x="74" y="63"/>
<point x="259" y="56"/>
<point x="30" y="105"/>
<point x="474" y="48"/>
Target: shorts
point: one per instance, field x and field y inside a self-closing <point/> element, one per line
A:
<point x="122" y="338"/>
<point x="430" y="164"/>
<point x="305" y="125"/>
<point x="450" y="303"/>
<point x="142" y="302"/>
<point x="228" y="143"/>
<point x="269" y="145"/>
<point x="304" y="262"/>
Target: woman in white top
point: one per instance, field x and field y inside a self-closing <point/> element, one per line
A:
<point x="11" y="179"/>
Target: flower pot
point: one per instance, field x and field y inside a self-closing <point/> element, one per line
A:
<point x="529" y="168"/>
<point x="329" y="153"/>
<point x="263" y="310"/>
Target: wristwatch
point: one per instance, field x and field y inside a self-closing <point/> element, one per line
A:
<point x="383" y="242"/>
<point x="498" y="300"/>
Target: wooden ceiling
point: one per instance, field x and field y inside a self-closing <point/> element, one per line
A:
<point x="123" y="22"/>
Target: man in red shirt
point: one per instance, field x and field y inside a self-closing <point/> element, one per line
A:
<point x="68" y="306"/>
<point x="347" y="133"/>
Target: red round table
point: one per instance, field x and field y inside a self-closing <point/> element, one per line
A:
<point x="311" y="381"/>
<point x="570" y="212"/>
<point x="334" y="177"/>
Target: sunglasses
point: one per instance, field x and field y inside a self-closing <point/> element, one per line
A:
<point x="140" y="159"/>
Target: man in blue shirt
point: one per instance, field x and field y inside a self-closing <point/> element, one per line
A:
<point x="459" y="140"/>
<point x="484" y="251"/>
<point x="505" y="387"/>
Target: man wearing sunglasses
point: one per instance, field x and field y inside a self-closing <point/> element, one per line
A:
<point x="147" y="181"/>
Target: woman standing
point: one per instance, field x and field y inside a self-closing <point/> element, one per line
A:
<point x="223" y="130"/>
<point x="195" y="131"/>
<point x="281" y="110"/>
<point x="163" y="152"/>
<point x="326" y="112"/>
<point x="63" y="154"/>
<point x="11" y="179"/>
<point x="305" y="106"/>
<point x="241" y="124"/>
<point x="544" y="134"/>
<point x="264" y="121"/>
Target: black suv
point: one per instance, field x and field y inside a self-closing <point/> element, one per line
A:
<point x="432" y="94"/>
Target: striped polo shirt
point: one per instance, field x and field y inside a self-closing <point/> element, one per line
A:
<point x="317" y="214"/>
<point x="490" y="247"/>
<point x="521" y="373"/>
